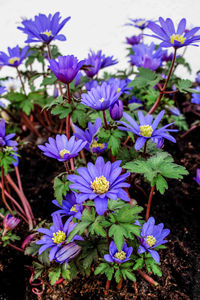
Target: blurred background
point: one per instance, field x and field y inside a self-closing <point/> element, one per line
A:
<point x="99" y="25"/>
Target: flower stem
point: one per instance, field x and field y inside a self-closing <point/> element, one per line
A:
<point x="3" y="191"/>
<point x="119" y="285"/>
<point x="68" y="116"/>
<point x="104" y="118"/>
<point x="49" y="51"/>
<point x="107" y="287"/>
<point x="149" y="202"/>
<point x="20" y="78"/>
<point x="147" y="278"/>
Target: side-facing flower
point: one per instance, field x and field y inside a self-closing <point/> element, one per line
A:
<point x="174" y="38"/>
<point x="10" y="222"/>
<point x="6" y="140"/>
<point x="122" y="84"/>
<point x="44" y="28"/>
<point x="67" y="252"/>
<point x="197" y="79"/>
<point x="66" y="68"/>
<point x="15" y="56"/>
<point x="196" y="97"/>
<point x="116" y="110"/>
<point x="69" y="207"/>
<point x="91" y="84"/>
<point x="197" y="178"/>
<point x="147" y="128"/>
<point x="100" y="181"/>
<point x="101" y="97"/>
<point x="134" y="40"/>
<point x="152" y="236"/>
<point x="117" y="256"/>
<point x="139" y="23"/>
<point x="61" y="148"/>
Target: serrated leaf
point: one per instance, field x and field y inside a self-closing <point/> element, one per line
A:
<point x="38" y="269"/>
<point x="79" y="229"/>
<point x="118" y="275"/>
<point x="100" y="268"/>
<point x="54" y="274"/>
<point x="126" y="273"/>
<point x="161" y="184"/>
<point x="49" y="80"/>
<point x="139" y="264"/>
<point x="60" y="189"/>
<point x="62" y="110"/>
<point x="184" y="86"/>
<point x="146" y="77"/>
<point x="118" y="233"/>
<point x="66" y="272"/>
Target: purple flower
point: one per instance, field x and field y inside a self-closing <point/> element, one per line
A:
<point x="196" y="97"/>
<point x="66" y="68"/>
<point x="116" y="256"/>
<point x="91" y="84"/>
<point x="5" y="140"/>
<point x="61" y="148"/>
<point x="101" y="97"/>
<point x="197" y="178"/>
<point x="146" y="56"/>
<point x="152" y="236"/>
<point x="69" y="207"/>
<point x="167" y="57"/>
<point x="88" y="136"/>
<point x="122" y="84"/>
<point x="44" y="28"/>
<point x="171" y="37"/>
<point x="134" y="40"/>
<point x="15" y="56"/>
<point x="134" y="100"/>
<point x="67" y="252"/>
<point x="139" y="23"/>
<point x="116" y="110"/>
<point x="175" y="111"/>
<point x="2" y="90"/>
<point x="77" y="79"/>
<point x="198" y="78"/>
<point x="15" y="162"/>
<point x="100" y="182"/>
<point x="10" y="222"/>
<point x="55" y="92"/>
<point x="147" y="128"/>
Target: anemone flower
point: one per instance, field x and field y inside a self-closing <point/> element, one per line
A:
<point x="197" y="178"/>
<point x="139" y="23"/>
<point x="6" y="140"/>
<point x="116" y="256"/>
<point x="196" y="97"/>
<point x="134" y="40"/>
<point x="10" y="222"/>
<point x="67" y="252"/>
<point x="15" y="56"/>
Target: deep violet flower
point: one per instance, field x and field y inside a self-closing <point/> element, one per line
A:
<point x="66" y="68"/>
<point x="15" y="56"/>
<point x="6" y="140"/>
<point x="147" y="128"/>
<point x="116" y="256"/>
<point x="197" y="178"/>
<point x="196" y="97"/>
<point x="134" y="40"/>
<point x="67" y="252"/>
<point x="100" y="181"/>
<point x="198" y="78"/>
<point x="61" y="148"/>
<point x="77" y="78"/>
<point x="89" y="136"/>
<point x="10" y="222"/>
<point x="44" y="28"/>
<point x="174" y="38"/>
<point x="101" y="97"/>
<point x="152" y="236"/>
<point x="69" y="207"/>
<point x="116" y="110"/>
<point x="139" y="23"/>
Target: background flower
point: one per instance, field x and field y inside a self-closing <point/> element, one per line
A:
<point x="15" y="56"/>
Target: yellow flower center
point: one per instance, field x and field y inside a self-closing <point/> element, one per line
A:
<point x="140" y="23"/>
<point x="9" y="148"/>
<point x="120" y="255"/>
<point x="146" y="130"/>
<point x="150" y="240"/>
<point x="101" y="100"/>
<point x="73" y="208"/>
<point x="12" y="60"/>
<point x="100" y="185"/>
<point x="63" y="152"/>
<point x="118" y="90"/>
<point x="47" y="33"/>
<point x="59" y="237"/>
<point x="178" y="38"/>
<point x="95" y="145"/>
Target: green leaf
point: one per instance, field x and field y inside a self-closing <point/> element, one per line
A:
<point x="139" y="264"/>
<point x="26" y="106"/>
<point x="118" y="233"/>
<point x="61" y="187"/>
<point x="146" y="77"/>
<point x="88" y="215"/>
<point x="54" y="274"/>
<point x="49" y="80"/>
<point x="38" y="269"/>
<point x="66" y="272"/>
<point x="97" y="228"/>
<point x="184" y="86"/>
<point x="62" y="110"/>
<point x="128" y="274"/>
<point x="161" y="184"/>
<point x="127" y="213"/>
<point x="79" y="229"/>
<point x="100" y="268"/>
<point x="118" y="275"/>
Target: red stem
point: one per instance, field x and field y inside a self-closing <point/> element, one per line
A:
<point x="107" y="287"/>
<point x="119" y="285"/>
<point x="149" y="202"/>
<point x="104" y="118"/>
<point x="3" y="191"/>
<point x="15" y="247"/>
<point x="147" y="278"/>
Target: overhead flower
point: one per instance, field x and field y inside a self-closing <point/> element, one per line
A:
<point x="196" y="97"/>
<point x="67" y="252"/>
<point x="66" y="68"/>
<point x="61" y="148"/>
<point x="10" y="222"/>
<point x="152" y="236"/>
<point x="147" y="128"/>
<point x="134" y="40"/>
<point x="116" y="256"/>
<point x="69" y="207"/>
<point x="15" y="56"/>
<point x="6" y="140"/>
<point x="101" y="97"/>
<point x="89" y="136"/>
<point x="44" y="28"/>
<point x="197" y="178"/>
<point x="174" y="38"/>
<point x="100" y="182"/>
<point x="139" y="23"/>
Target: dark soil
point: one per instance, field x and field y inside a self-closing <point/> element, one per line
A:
<point x="178" y="209"/>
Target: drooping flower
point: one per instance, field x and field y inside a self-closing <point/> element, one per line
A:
<point x="69" y="207"/>
<point x="61" y="148"/>
<point x="66" y="68"/>
<point x="67" y="252"/>
<point x="147" y="128"/>
<point x="100" y="181"/>
<point x="89" y="136"/>
<point x="139" y="23"/>
<point x="101" y="97"/>
<point x="44" y="28"/>
<point x="197" y="178"/>
<point x="116" y="110"/>
<point x="174" y="38"/>
<point x="152" y="236"/>
<point x="134" y="40"/>
<point x="196" y="97"/>
<point x="6" y="140"/>
<point x="117" y="256"/>
<point x="122" y="84"/>
<point x="15" y="56"/>
<point x="198" y="78"/>
<point x="10" y="222"/>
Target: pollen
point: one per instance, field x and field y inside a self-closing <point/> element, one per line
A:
<point x="63" y="152"/>
<point x="12" y="60"/>
<point x="73" y="208"/>
<point x="59" y="237"/>
<point x="101" y="100"/>
<point x="120" y="255"/>
<point x="48" y="33"/>
<point x="140" y="23"/>
<point x="150" y="240"/>
<point x="100" y="185"/>
<point x="146" y="130"/>
<point x="96" y="145"/>
<point x="118" y="90"/>
<point x="178" y="38"/>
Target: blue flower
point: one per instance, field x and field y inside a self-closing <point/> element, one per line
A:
<point x="152" y="236"/>
<point x="198" y="78"/>
<point x="6" y="140"/>
<point x="61" y="148"/>
<point x="116" y="110"/>
<point x="174" y="38"/>
<point x="122" y="84"/>
<point x="134" y="40"/>
<point x="147" y="128"/>
<point x="197" y="178"/>
<point x="196" y="97"/>
<point x="77" y="78"/>
<point x="100" y="182"/>
<point x="134" y="100"/>
<point x="44" y="28"/>
<point x="139" y="23"/>
<point x="91" y="84"/>
<point x="116" y="256"/>
<point x="174" y="111"/>
<point x="2" y="90"/>
<point x="15" y="56"/>
<point x="101" y="97"/>
<point x="69" y="207"/>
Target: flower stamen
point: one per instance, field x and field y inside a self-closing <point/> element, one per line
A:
<point x="47" y="33"/>
<point x="100" y="185"/>
<point x="59" y="237"/>
<point x="95" y="144"/>
<point x="150" y="240"/>
<point x="63" y="152"/>
<point x="73" y="208"/>
<point x="12" y="60"/>
<point x="146" y="130"/>
<point x="101" y="100"/>
<point x="178" y="38"/>
<point x="120" y="255"/>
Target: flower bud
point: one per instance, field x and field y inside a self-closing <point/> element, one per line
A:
<point x="10" y="222"/>
<point x="116" y="110"/>
<point x="67" y="252"/>
<point x="55" y="92"/>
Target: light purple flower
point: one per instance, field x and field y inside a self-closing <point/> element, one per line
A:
<point x="117" y="256"/>
<point x="197" y="178"/>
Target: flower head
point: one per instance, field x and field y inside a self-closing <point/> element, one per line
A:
<point x="174" y="38"/>
<point x="147" y="128"/>
<point x="116" y="256"/>
<point x="139" y="23"/>
<point x="66" y="68"/>
<point x="67" y="252"/>
<point x="10" y="222"/>
<point x="152" y="236"/>
<point x="6" y="140"/>
<point x="15" y="56"/>
<point x="44" y="28"/>
<point x="61" y="148"/>
<point x="198" y="78"/>
<point x="91" y="84"/>
<point x="196" y="97"/>
<point x="116" y="110"/>
<point x="122" y="84"/>
<point x="197" y="178"/>
<point x="101" y="181"/>
<point x="134" y="40"/>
